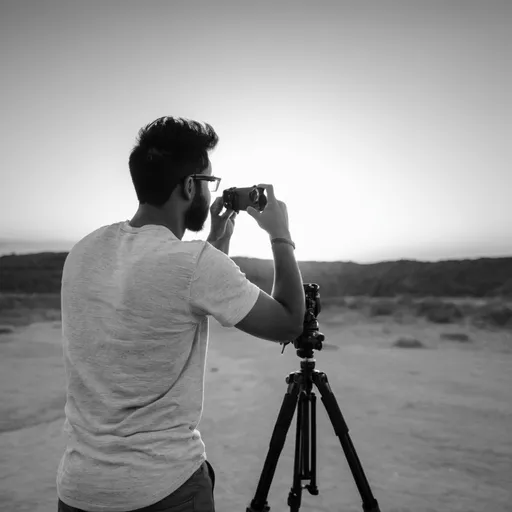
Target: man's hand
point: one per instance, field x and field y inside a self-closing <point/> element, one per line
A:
<point x="222" y="226"/>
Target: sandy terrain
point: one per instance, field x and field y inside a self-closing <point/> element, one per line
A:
<point x="432" y="426"/>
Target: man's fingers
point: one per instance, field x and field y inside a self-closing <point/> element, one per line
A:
<point x="270" y="190"/>
<point x="228" y="213"/>
<point x="216" y="206"/>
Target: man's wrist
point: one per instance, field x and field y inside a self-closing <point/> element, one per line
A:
<point x="283" y="234"/>
<point x="281" y="241"/>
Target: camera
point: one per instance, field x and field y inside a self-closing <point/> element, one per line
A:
<point x="241" y="198"/>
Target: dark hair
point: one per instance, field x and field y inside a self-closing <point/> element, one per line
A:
<point x="168" y="150"/>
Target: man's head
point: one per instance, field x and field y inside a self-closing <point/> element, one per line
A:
<point x="167" y="155"/>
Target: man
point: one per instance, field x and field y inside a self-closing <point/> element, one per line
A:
<point x="135" y="306"/>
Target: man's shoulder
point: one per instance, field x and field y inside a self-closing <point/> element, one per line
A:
<point x="83" y="244"/>
<point x="211" y="260"/>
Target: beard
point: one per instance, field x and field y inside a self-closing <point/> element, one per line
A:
<point x="196" y="215"/>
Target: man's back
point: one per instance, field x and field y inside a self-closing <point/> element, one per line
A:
<point x="135" y="335"/>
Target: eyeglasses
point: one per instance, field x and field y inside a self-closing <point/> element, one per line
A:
<point x="213" y="181"/>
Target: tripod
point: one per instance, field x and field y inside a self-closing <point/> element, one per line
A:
<point x="300" y="390"/>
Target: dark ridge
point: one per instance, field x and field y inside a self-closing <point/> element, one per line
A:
<point x="483" y="277"/>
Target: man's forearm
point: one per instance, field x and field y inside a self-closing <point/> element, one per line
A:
<point x="288" y="289"/>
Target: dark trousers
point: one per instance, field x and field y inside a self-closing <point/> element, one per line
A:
<point x="195" y="495"/>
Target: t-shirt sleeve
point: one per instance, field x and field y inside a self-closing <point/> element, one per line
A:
<point x="219" y="288"/>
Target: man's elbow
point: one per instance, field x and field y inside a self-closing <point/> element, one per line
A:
<point x="296" y="331"/>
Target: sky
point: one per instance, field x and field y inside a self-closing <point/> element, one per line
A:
<point x="383" y="125"/>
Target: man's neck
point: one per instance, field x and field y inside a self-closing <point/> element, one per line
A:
<point x="143" y="219"/>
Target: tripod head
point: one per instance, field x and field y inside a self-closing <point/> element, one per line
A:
<point x="310" y="339"/>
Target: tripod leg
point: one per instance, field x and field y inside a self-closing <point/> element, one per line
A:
<point x="300" y="463"/>
<point x="305" y="435"/>
<point x="284" y="419"/>
<point x="341" y="429"/>
<point x="312" y="488"/>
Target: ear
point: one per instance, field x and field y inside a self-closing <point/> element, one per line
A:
<point x="187" y="189"/>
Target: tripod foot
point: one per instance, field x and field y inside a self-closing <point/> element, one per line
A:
<point x="265" y="508"/>
<point x="371" y="507"/>
<point x="313" y="489"/>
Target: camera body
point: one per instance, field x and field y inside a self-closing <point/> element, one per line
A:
<point x="241" y="198"/>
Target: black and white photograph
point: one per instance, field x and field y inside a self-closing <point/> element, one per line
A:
<point x="256" y="256"/>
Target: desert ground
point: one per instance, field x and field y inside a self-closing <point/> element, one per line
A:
<point x="432" y="425"/>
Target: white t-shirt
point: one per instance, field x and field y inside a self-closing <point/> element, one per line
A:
<point x="135" y="335"/>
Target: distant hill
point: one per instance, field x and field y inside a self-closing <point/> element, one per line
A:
<point x="21" y="246"/>
<point x="483" y="277"/>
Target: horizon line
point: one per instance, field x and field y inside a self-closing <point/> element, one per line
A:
<point x="475" y="258"/>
